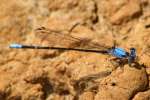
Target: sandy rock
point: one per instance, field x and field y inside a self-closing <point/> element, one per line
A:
<point x="88" y="65"/>
<point x="126" y="83"/>
<point x="26" y="91"/>
<point x="58" y="97"/>
<point x="131" y="9"/>
<point x="71" y="11"/>
<point x="34" y="75"/>
<point x="4" y="88"/>
<point x="119" y="11"/>
<point x="35" y="92"/>
<point x="49" y="75"/>
<point x="142" y="95"/>
<point x="10" y="74"/>
<point x="87" y="96"/>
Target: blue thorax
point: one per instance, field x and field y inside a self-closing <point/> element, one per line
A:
<point x="118" y="52"/>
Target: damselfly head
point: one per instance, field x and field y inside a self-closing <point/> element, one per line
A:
<point x="132" y="49"/>
<point x="132" y="56"/>
<point x="133" y="52"/>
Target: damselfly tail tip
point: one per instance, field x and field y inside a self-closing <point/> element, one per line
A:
<point x="15" y="45"/>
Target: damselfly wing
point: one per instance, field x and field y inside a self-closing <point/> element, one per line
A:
<point x="58" y="39"/>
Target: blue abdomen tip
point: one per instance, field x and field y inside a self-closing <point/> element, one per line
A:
<point x="15" y="45"/>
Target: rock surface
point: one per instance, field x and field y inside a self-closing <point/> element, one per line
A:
<point x="72" y="75"/>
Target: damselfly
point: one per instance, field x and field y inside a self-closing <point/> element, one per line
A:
<point x="61" y="41"/>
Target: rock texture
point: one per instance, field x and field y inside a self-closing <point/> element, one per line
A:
<point x="27" y="74"/>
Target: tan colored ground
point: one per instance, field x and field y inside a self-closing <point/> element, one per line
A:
<point x="72" y="75"/>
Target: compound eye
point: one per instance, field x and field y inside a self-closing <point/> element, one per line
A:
<point x="133" y="49"/>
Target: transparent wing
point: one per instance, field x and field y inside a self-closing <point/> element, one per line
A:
<point x="57" y="38"/>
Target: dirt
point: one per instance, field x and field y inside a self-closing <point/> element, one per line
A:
<point x="32" y="74"/>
